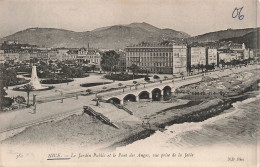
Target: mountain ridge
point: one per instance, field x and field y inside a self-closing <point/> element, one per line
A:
<point x="112" y="37"/>
<point x="119" y="36"/>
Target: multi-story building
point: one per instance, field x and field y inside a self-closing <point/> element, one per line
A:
<point x="225" y="56"/>
<point x="90" y="56"/>
<point x="11" y="55"/>
<point x="53" y="55"/>
<point x="73" y="53"/>
<point x="180" y="54"/>
<point x="43" y="55"/>
<point x="212" y="57"/>
<point x="150" y="58"/>
<point x="238" y="49"/>
<point x="2" y="58"/>
<point x="33" y="54"/>
<point x="198" y="56"/>
<point x="24" y="55"/>
<point x="82" y="55"/>
<point x="93" y="57"/>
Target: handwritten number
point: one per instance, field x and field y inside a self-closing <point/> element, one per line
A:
<point x="237" y="13"/>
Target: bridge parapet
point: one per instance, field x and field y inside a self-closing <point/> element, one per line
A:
<point x="172" y="86"/>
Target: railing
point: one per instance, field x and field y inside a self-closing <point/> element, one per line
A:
<point x="123" y="108"/>
<point x="100" y="116"/>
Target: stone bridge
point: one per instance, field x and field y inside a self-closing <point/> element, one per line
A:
<point x="152" y="91"/>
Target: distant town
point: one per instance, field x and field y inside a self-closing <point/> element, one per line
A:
<point x="164" y="58"/>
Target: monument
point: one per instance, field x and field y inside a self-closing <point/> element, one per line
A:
<point x="35" y="81"/>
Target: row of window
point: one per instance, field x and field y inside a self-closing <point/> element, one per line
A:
<point x="150" y="50"/>
<point x="158" y="64"/>
<point x="150" y="54"/>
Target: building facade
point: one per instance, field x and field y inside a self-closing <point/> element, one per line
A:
<point x="198" y="56"/>
<point x="225" y="56"/>
<point x="212" y="56"/>
<point x="180" y="54"/>
<point x="150" y="58"/>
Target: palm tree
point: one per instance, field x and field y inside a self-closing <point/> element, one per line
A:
<point x="28" y="88"/>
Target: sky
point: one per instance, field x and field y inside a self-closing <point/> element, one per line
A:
<point x="194" y="17"/>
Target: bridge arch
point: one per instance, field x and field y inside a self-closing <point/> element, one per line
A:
<point x="129" y="97"/>
<point x="114" y="100"/>
<point x="167" y="90"/>
<point x="156" y="94"/>
<point x="144" y="95"/>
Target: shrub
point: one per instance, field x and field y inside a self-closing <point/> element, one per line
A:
<point x="147" y="78"/>
<point x="88" y="90"/>
<point x="19" y="99"/>
<point x="156" y="77"/>
<point x="55" y="81"/>
<point x="94" y="84"/>
<point x="7" y="102"/>
<point x="122" y="77"/>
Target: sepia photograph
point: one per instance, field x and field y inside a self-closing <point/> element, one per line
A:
<point x="129" y="83"/>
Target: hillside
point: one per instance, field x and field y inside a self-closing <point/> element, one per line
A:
<point x="220" y="35"/>
<point x="113" y="37"/>
<point x="251" y="39"/>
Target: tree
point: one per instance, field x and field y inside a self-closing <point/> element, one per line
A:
<point x="2" y="96"/>
<point x="193" y="67"/>
<point x="202" y="67"/>
<point x="93" y="66"/>
<point x="213" y="66"/>
<point x="222" y="62"/>
<point x="28" y="88"/>
<point x="135" y="69"/>
<point x="198" y="67"/>
<point x="66" y="71"/>
<point x="9" y="77"/>
<point x="53" y="69"/>
<point x="109" y="60"/>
